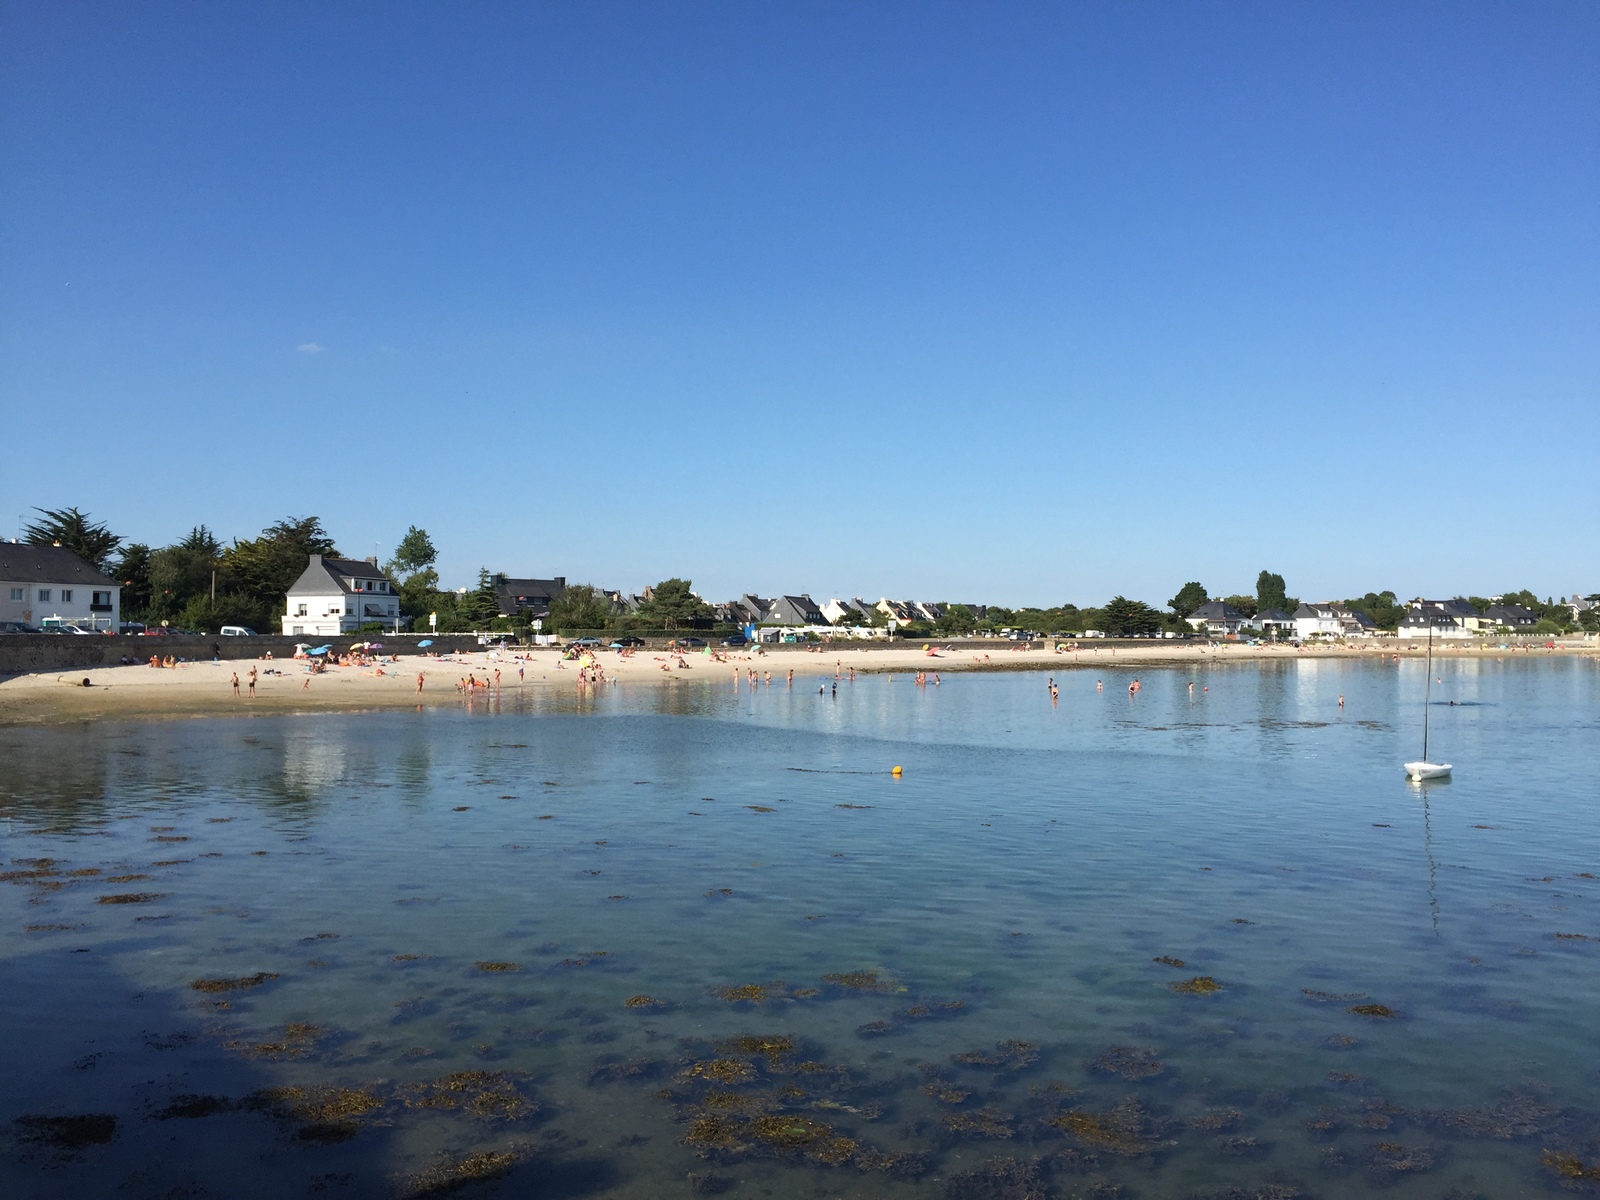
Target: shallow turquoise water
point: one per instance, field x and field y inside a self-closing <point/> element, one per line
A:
<point x="1031" y="864"/>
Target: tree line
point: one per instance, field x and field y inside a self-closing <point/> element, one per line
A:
<point x="200" y="583"/>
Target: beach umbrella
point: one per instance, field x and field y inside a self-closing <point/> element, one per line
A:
<point x="424" y="643"/>
<point x="320" y="650"/>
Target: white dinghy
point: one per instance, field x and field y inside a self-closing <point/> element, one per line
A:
<point x="1423" y="769"/>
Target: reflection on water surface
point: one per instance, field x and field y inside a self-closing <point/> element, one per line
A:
<point x="683" y="940"/>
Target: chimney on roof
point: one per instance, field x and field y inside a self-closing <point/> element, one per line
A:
<point x="316" y="560"/>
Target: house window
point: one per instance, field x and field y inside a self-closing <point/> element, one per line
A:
<point x="44" y="595"/>
<point x="66" y="595"/>
<point x="18" y="593"/>
<point x="102" y="598"/>
<point x="300" y="611"/>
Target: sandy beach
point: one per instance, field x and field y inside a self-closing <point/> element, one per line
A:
<point x="198" y="689"/>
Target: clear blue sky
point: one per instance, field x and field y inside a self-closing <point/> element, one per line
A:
<point x="1017" y="303"/>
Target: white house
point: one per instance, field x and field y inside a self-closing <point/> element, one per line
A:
<point x="48" y="586"/>
<point x="1330" y="620"/>
<point x="1449" y="618"/>
<point x="1272" y="621"/>
<point x="338" y="595"/>
<point x="857" y="610"/>
<point x="1216" y="616"/>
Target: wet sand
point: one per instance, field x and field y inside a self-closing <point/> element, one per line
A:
<point x="205" y="688"/>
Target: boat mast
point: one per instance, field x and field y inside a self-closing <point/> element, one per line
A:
<point x="1427" y="694"/>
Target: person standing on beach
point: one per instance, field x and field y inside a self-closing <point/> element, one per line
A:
<point x="236" y="685"/>
<point x="252" y="683"/>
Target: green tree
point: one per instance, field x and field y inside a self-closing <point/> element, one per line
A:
<point x="1190" y="597"/>
<point x="579" y="606"/>
<point x="1244" y="604"/>
<point x="956" y="618"/>
<point x="1122" y="617"/>
<point x="72" y="530"/>
<point x="262" y="569"/>
<point x="208" y="616"/>
<point x="182" y="571"/>
<point x="415" y="553"/>
<point x="132" y="571"/>
<point x="1589" y="619"/>
<point x="482" y="604"/>
<point x="673" y="604"/>
<point x="1384" y="609"/>
<point x="1271" y="592"/>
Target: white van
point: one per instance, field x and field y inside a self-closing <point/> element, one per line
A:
<point x="237" y="631"/>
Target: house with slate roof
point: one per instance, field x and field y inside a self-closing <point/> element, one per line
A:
<point x="1449" y="618"/>
<point x="1216" y="616"/>
<point x="1515" y="617"/>
<point x="526" y="597"/>
<point x="1331" y="620"/>
<point x="334" y="596"/>
<point x="49" y="586"/>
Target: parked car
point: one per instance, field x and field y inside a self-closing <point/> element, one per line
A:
<point x="237" y="631"/>
<point x="131" y="627"/>
<point x="586" y="641"/>
<point x="155" y="631"/>
<point x="690" y="643"/>
<point x="737" y="639"/>
<point x="627" y="643"/>
<point x="16" y="627"/>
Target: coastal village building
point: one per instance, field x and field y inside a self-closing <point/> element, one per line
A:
<point x="1449" y="618"/>
<point x="1331" y="620"/>
<point x="1216" y="616"/>
<point x="794" y="610"/>
<point x="45" y="587"/>
<point x="856" y="611"/>
<point x="527" y="597"/>
<point x="1514" y="617"/>
<point x="335" y="596"/>
<point x="1273" y="621"/>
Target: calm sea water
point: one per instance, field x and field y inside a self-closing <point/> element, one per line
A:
<point x="421" y="932"/>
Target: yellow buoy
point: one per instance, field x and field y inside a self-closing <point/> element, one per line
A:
<point x="895" y="771"/>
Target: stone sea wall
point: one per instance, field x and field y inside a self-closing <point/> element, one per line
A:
<point x="25" y="653"/>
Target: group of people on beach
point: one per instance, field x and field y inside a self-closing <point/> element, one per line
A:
<point x="252" y="677"/>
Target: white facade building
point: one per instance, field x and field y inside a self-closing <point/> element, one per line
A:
<point x="1331" y="620"/>
<point x="338" y="595"/>
<point x="48" y="586"/>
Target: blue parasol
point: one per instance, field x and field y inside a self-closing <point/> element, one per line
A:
<point x="424" y="643"/>
<point x="320" y="649"/>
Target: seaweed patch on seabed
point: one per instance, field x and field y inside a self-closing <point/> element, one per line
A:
<point x="243" y="983"/>
<point x="1129" y="1062"/>
<point x="998" y="1179"/>
<point x="643" y="1003"/>
<point x="1200" y="985"/>
<point x="486" y="1095"/>
<point x="980" y="1122"/>
<point x="66" y="1134"/>
<point x="1007" y="1056"/>
<point x="298" y="1041"/>
<point x="320" y="1113"/>
<point x="760" y="993"/>
<point x="451" y="1174"/>
<point x="859" y="981"/>
<point x="727" y="1123"/>
<point x="1127" y="1128"/>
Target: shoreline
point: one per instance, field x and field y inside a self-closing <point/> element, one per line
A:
<point x="204" y="689"/>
